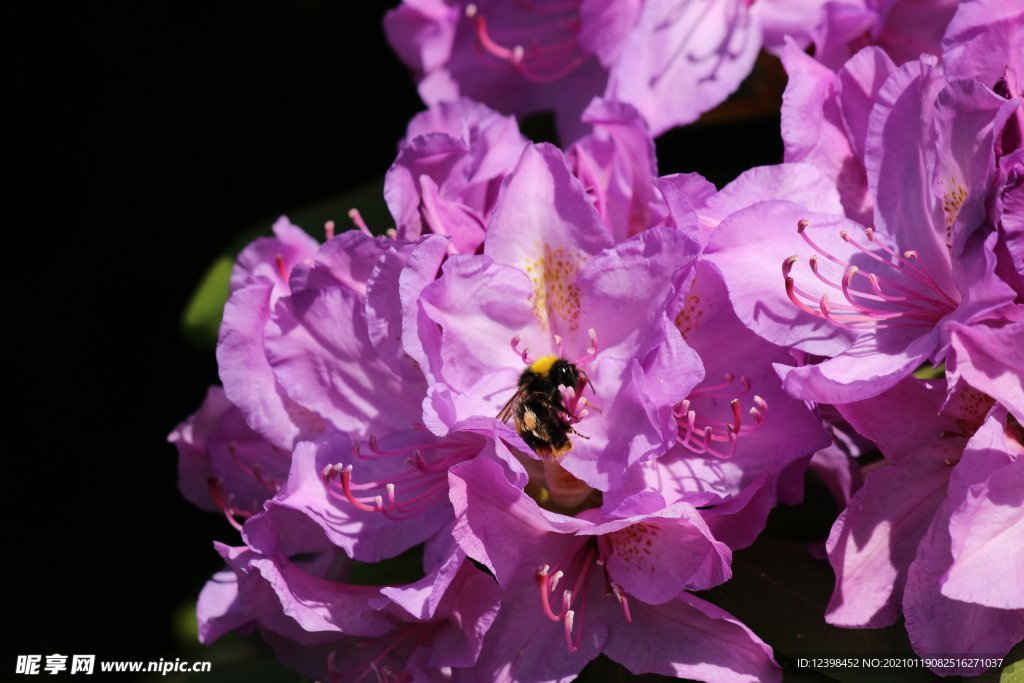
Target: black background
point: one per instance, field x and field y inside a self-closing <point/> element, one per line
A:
<point x="145" y="137"/>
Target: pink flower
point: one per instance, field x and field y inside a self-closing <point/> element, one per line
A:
<point x="933" y="531"/>
<point x="573" y="587"/>
<point x="449" y="167"/>
<point x="671" y="59"/>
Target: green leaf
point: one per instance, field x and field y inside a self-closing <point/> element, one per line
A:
<point x="929" y="371"/>
<point x="200" y="321"/>
<point x="405" y="568"/>
<point x="1013" y="666"/>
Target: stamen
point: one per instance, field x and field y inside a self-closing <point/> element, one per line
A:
<point x="282" y="269"/>
<point x="704" y="437"/>
<point x="620" y="595"/>
<point x="569" y="616"/>
<point x="550" y="51"/>
<point x="555" y="578"/>
<point x="522" y="352"/>
<point x="357" y="219"/>
<point x="346" y="486"/>
<point x="545" y="592"/>
<point x="864" y="311"/>
<point x="216" y="488"/>
<point x="328" y="231"/>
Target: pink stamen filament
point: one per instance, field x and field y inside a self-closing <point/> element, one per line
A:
<point x="523" y="353"/>
<point x="591" y="351"/>
<point x="282" y="269"/>
<point x="545" y="591"/>
<point x="254" y="471"/>
<point x="220" y="500"/>
<point x="539" y="63"/>
<point x="420" y="486"/>
<point x="329" y="230"/>
<point x="701" y="438"/>
<point x="620" y="595"/>
<point x="861" y="309"/>
<point x="574" y="601"/>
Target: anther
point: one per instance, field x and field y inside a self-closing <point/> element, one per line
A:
<point x="357" y="219"/>
<point x="568" y="631"/>
<point x="620" y="595"/>
<point x="523" y="353"/>
<point x="802" y="225"/>
<point x="787" y="265"/>
<point x="592" y="349"/>
<point x="329" y="230"/>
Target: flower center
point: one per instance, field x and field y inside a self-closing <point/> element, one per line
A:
<point x="544" y="48"/>
<point x="226" y="500"/>
<point x="555" y="292"/>
<point x="574" y="566"/>
<point x="700" y="429"/>
<point x="901" y="294"/>
<point x="422" y="485"/>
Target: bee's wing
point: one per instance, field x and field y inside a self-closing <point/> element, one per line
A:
<point x="509" y="408"/>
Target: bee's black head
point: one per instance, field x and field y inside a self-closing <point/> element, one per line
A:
<point x="564" y="373"/>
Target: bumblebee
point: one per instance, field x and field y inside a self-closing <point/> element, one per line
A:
<point x="540" y="414"/>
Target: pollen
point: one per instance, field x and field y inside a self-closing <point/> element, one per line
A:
<point x="554" y="289"/>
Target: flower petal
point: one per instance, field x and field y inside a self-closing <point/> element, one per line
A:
<point x="691" y="638"/>
<point x="875" y="539"/>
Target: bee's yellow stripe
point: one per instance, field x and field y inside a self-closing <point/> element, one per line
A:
<point x="542" y="365"/>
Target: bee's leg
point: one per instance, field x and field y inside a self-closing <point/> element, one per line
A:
<point x="582" y="436"/>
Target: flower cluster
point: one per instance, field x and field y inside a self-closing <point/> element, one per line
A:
<point x="566" y="388"/>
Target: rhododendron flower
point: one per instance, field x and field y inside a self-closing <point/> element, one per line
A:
<point x="933" y="533"/>
<point x="329" y="343"/>
<point x="550" y="282"/>
<point x="260" y="277"/>
<point x="378" y="501"/>
<point x="904" y="29"/>
<point x="449" y="166"/>
<point x="324" y="627"/>
<point x="740" y="439"/>
<point x="672" y="60"/>
<point x="616" y="163"/>
<point x="573" y="587"/>
<point x="882" y="300"/>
